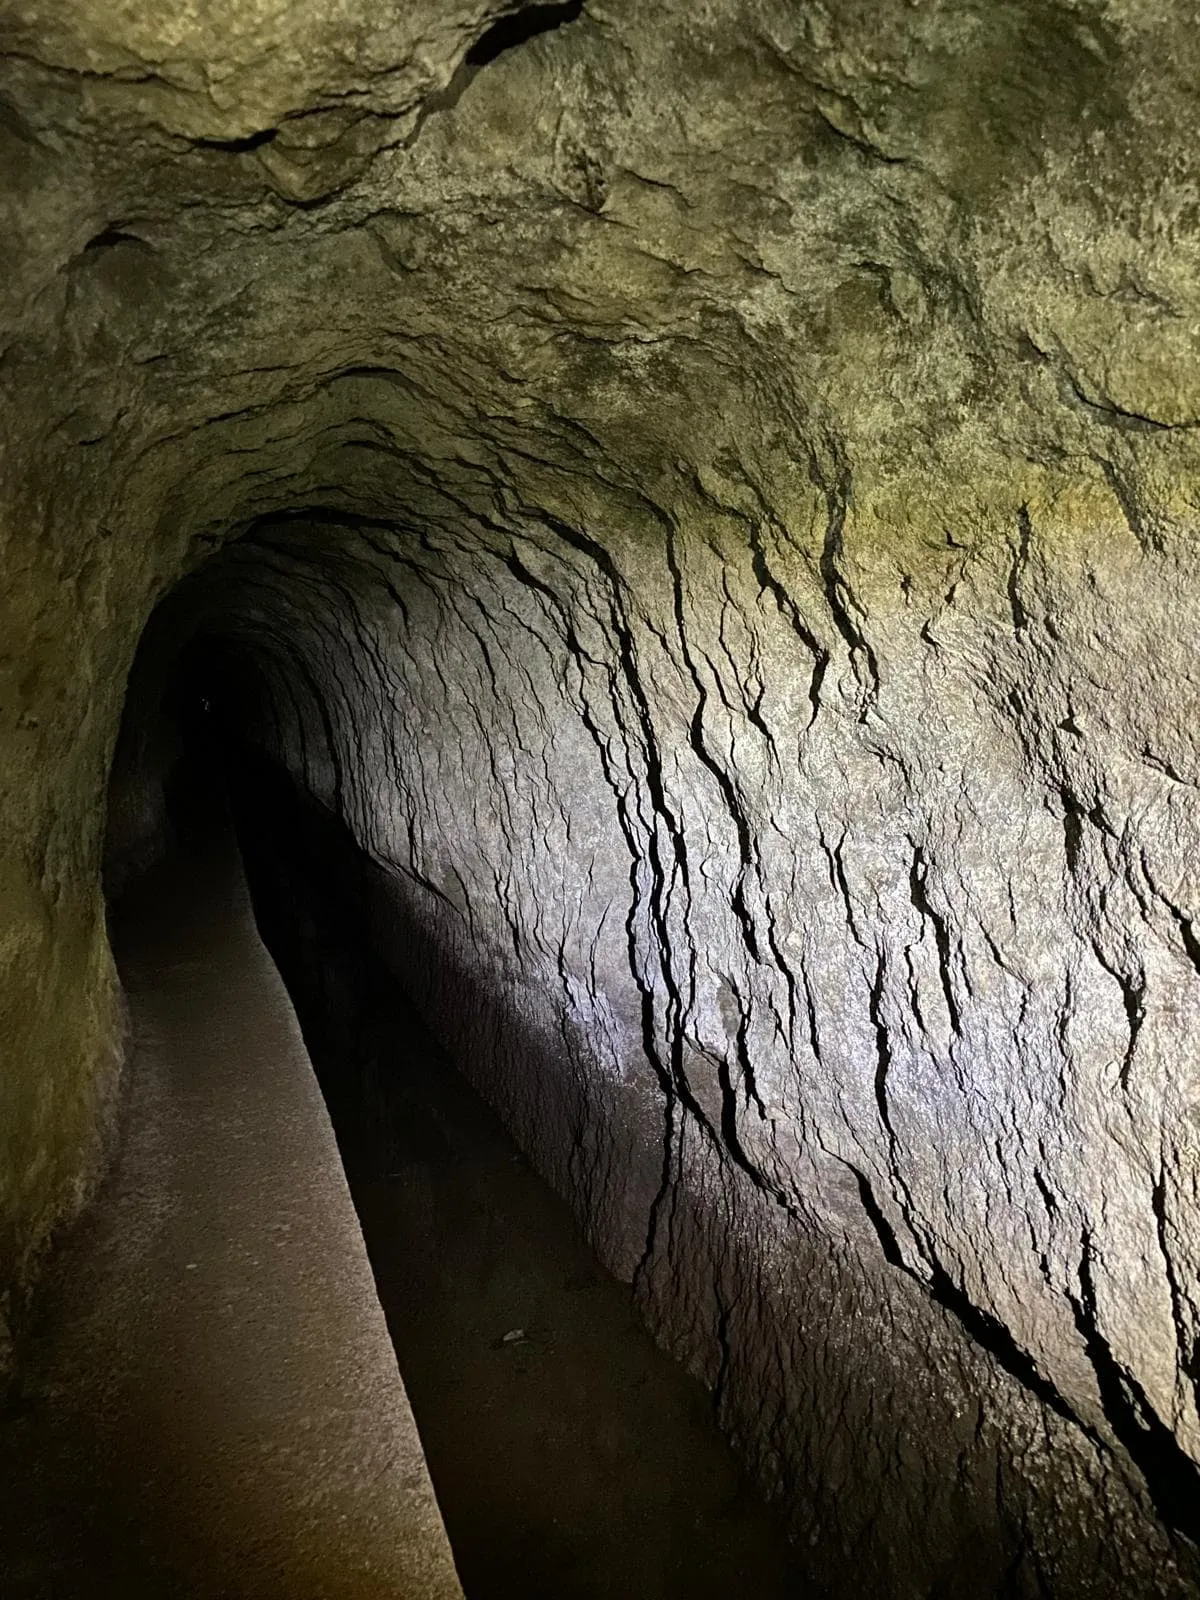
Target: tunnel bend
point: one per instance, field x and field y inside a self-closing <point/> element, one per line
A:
<point x="392" y="647"/>
<point x="325" y="715"/>
<point x="607" y="1470"/>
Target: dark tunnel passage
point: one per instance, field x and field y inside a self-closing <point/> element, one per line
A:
<point x="667" y="538"/>
<point x="570" y="1456"/>
<point x="469" y="853"/>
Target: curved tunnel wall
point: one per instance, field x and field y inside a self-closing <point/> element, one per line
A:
<point x="729" y="556"/>
<point x="711" y="1020"/>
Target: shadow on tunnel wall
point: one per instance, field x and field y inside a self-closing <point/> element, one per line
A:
<point x="353" y="960"/>
<point x="311" y="888"/>
<point x="346" y="947"/>
<point x="819" y="1411"/>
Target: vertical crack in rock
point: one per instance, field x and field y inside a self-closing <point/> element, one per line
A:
<point x="1182" y="1309"/>
<point x="917" y="880"/>
<point x="1020" y="616"/>
<point x="835" y="487"/>
<point x="669" y="1072"/>
<point x="718" y="773"/>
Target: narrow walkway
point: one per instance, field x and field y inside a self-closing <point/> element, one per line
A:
<point x="212" y="1405"/>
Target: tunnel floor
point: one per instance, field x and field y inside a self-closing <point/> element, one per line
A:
<point x="209" y="1405"/>
<point x="572" y="1459"/>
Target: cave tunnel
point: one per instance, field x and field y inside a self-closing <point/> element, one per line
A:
<point x="598" y="762"/>
<point x="568" y="1454"/>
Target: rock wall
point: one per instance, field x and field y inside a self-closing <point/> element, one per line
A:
<point x="709" y="498"/>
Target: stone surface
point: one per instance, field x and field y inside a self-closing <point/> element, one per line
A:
<point x="211" y="1406"/>
<point x="710" y="499"/>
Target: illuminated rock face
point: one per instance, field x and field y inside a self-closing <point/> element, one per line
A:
<point x="710" y="499"/>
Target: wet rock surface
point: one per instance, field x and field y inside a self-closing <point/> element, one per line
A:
<point x="708" y="499"/>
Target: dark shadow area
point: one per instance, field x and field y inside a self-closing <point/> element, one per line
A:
<point x="520" y="26"/>
<point x="571" y="1457"/>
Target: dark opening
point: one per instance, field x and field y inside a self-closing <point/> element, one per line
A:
<point x="570" y="1456"/>
<point x="519" y="26"/>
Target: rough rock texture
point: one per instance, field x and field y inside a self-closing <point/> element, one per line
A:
<point x="709" y="495"/>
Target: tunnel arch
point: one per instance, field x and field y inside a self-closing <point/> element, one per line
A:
<point x="758" y="602"/>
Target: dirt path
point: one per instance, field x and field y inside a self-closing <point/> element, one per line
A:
<point x="212" y="1406"/>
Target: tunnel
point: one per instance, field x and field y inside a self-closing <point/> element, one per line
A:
<point x="568" y="1454"/>
<point x="624" y="580"/>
